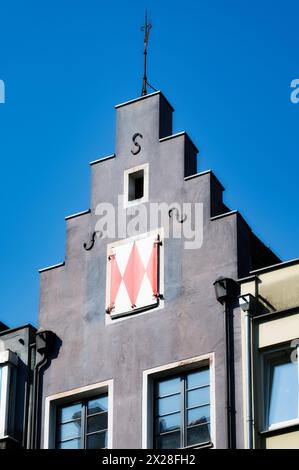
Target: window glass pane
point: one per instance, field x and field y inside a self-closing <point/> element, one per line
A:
<point x="97" y="422"/>
<point x="97" y="441"/>
<point x="97" y="405"/>
<point x="198" y="435"/>
<point x="198" y="415"/>
<point x="198" y="397"/>
<point x="283" y="392"/>
<point x="173" y="424"/>
<point x="169" y="404"/>
<point x="169" y="423"/>
<point x="70" y="412"/>
<point x="169" y="441"/>
<point x="169" y="386"/>
<point x="69" y="430"/>
<point x="198" y="378"/>
<point x="73" y="444"/>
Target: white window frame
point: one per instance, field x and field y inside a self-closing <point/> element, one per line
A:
<point x="267" y="359"/>
<point x="8" y="362"/>
<point x="63" y="398"/>
<point x="127" y="174"/>
<point x="150" y="375"/>
<point x="108" y="317"/>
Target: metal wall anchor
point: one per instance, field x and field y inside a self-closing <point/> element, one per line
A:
<point x="180" y="220"/>
<point x="89" y="246"/>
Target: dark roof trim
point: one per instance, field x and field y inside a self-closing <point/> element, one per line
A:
<point x="78" y="214"/>
<point x="99" y="160"/>
<point x="276" y="314"/>
<point x="22" y="327"/>
<point x="144" y="98"/>
<point x="247" y="279"/>
<point x="284" y="264"/>
<point x="179" y="134"/>
<point x="54" y="266"/>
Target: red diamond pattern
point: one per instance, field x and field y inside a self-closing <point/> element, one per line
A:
<point x="132" y="274"/>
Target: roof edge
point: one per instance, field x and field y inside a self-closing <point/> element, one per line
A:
<point x="48" y="268"/>
<point x="202" y="173"/>
<point x="109" y="157"/>
<point x="179" y="134"/>
<point x="16" y="328"/>
<point x="77" y="214"/>
<point x="273" y="267"/>
<point x="158" y="92"/>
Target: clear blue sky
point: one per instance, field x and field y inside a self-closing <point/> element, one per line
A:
<point x="225" y="65"/>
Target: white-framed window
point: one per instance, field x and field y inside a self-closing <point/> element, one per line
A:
<point x="136" y="185"/>
<point x="80" y="418"/>
<point x="134" y="276"/>
<point x="179" y="405"/>
<point x="83" y="423"/>
<point x="281" y="388"/>
<point x="8" y="363"/>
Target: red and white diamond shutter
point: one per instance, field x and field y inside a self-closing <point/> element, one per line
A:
<point x="133" y="275"/>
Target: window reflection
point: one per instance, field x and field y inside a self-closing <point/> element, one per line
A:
<point x="182" y="410"/>
<point x="83" y="424"/>
<point x="283" y="393"/>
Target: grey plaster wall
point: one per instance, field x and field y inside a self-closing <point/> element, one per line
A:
<point x="72" y="301"/>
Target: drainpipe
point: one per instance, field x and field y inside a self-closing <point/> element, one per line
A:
<point x="29" y="393"/>
<point x="246" y="303"/>
<point x="44" y="348"/>
<point x="226" y="291"/>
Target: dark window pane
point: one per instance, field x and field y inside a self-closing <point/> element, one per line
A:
<point x="139" y="187"/>
<point x="198" y="435"/>
<point x="69" y="430"/>
<point x="198" y="378"/>
<point x="169" y="386"/>
<point x="136" y="183"/>
<point x="97" y="405"/>
<point x="198" y="415"/>
<point x="198" y="397"/>
<point x="169" y="441"/>
<point x="169" y="404"/>
<point x="70" y="412"/>
<point x="73" y="444"/>
<point x="97" y="441"/>
<point x="169" y="423"/>
<point x="284" y="392"/>
<point x="97" y="422"/>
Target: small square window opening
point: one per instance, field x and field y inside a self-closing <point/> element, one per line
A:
<point x="136" y="185"/>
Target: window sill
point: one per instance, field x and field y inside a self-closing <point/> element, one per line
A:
<point x="134" y="312"/>
<point x="280" y="428"/>
<point x="205" y="445"/>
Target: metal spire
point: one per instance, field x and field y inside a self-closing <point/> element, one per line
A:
<point x="146" y="28"/>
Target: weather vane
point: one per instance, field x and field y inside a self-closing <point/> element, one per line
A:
<point x="146" y="28"/>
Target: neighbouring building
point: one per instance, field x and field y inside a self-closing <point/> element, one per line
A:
<point x="16" y="375"/>
<point x="146" y="355"/>
<point x="24" y="353"/>
<point x="270" y="339"/>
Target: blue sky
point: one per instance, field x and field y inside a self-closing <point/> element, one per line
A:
<point x="225" y="65"/>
